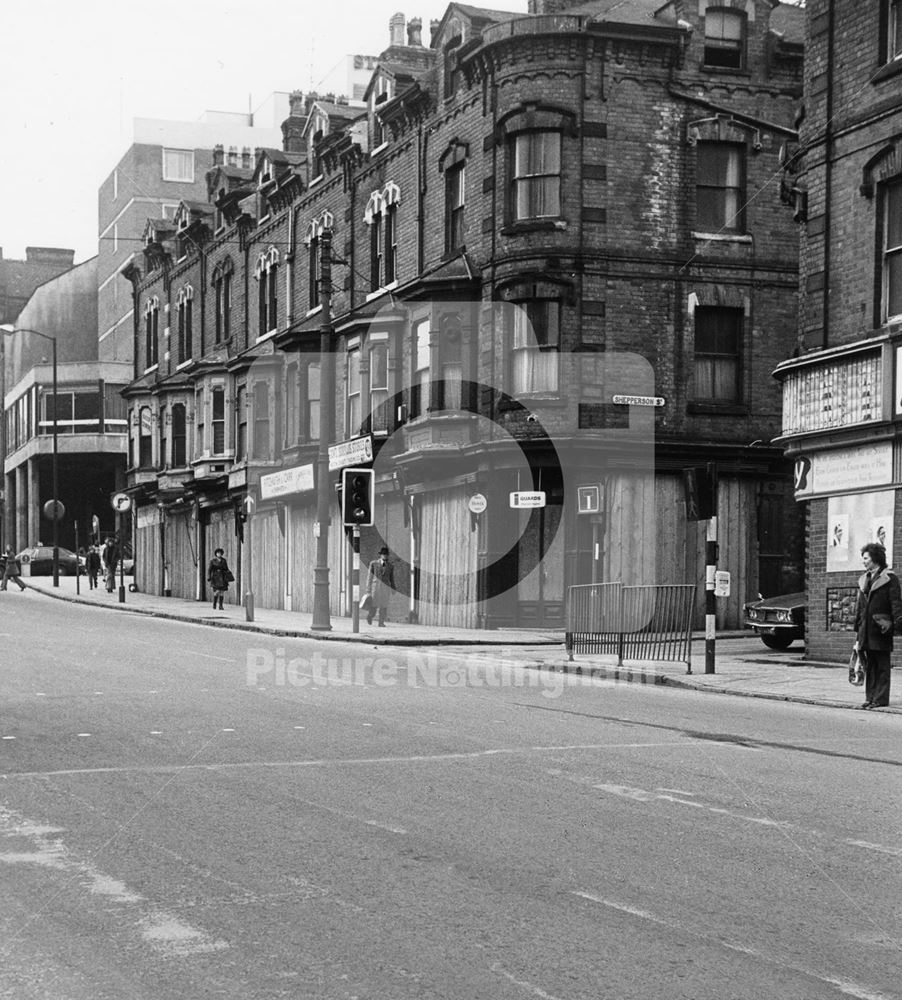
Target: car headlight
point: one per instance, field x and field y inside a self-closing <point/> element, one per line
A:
<point x="784" y="616"/>
<point x="752" y="613"/>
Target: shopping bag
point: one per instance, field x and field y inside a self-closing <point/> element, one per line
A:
<point x="857" y="666"/>
<point x="366" y="601"/>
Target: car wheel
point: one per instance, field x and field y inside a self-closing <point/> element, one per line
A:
<point x="776" y="641"/>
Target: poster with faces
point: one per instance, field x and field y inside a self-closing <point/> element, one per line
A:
<point x="853" y="520"/>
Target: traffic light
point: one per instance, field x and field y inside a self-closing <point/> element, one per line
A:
<point x="358" y="495"/>
<point x="701" y="492"/>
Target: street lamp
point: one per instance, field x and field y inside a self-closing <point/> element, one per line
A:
<point x="9" y="329"/>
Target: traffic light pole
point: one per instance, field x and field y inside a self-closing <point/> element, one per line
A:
<point x="710" y="600"/>
<point x="321" y="617"/>
<point x="355" y="581"/>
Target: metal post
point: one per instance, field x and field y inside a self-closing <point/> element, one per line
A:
<point x="321" y="617"/>
<point x="77" y="563"/>
<point x="248" y="561"/>
<point x="121" y="547"/>
<point x="55" y="473"/>
<point x="710" y="601"/>
<point x="355" y="580"/>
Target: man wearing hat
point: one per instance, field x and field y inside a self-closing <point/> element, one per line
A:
<point x="380" y="582"/>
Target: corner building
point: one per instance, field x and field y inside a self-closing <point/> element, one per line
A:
<point x="842" y="389"/>
<point x="556" y="261"/>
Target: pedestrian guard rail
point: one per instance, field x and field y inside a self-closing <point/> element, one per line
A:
<point x="645" y="622"/>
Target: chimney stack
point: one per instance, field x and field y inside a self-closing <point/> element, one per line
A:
<point x="218" y="155"/>
<point x="246" y="160"/>
<point x="415" y="32"/>
<point x="296" y="104"/>
<point x="433" y="28"/>
<point x="396" y="29"/>
<point x="233" y="156"/>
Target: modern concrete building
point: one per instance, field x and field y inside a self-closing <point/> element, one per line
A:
<point x="88" y="410"/>
<point x="165" y="163"/>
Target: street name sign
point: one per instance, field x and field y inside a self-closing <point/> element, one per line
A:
<point x="639" y="400"/>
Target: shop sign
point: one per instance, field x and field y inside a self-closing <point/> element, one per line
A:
<point x="286" y="481"/>
<point x="523" y="499"/>
<point x="844" y="470"/>
<point x="357" y="451"/>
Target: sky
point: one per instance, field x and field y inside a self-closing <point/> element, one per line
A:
<point x="76" y="74"/>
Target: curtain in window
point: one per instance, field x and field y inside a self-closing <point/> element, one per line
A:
<point x="537" y="170"/>
<point x="353" y="392"/>
<point x="379" y="387"/>
<point x="719" y="186"/>
<point x="534" y="362"/>
<point x="717" y="340"/>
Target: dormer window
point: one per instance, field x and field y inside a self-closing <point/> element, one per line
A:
<point x="724" y="38"/>
<point x="450" y="57"/>
<point x="381" y="94"/>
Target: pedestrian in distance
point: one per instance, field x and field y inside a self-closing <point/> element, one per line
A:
<point x="877" y="617"/>
<point x="219" y="576"/>
<point x="12" y="569"/>
<point x="92" y="566"/>
<point x="380" y="582"/>
<point x="110" y="558"/>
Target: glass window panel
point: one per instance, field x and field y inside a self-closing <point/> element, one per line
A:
<point x="894" y="280"/>
<point x="894" y="217"/>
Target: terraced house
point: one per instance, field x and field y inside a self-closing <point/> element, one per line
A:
<point x="547" y="259"/>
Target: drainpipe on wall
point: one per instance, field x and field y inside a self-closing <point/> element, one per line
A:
<point x="828" y="174"/>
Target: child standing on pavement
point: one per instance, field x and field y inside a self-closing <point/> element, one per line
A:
<point x="219" y="576"/>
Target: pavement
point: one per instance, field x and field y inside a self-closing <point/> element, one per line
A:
<point x="743" y="665"/>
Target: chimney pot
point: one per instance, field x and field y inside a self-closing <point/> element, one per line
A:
<point x="415" y="31"/>
<point x="233" y="156"/>
<point x="296" y="103"/>
<point x="433" y="28"/>
<point x="218" y="154"/>
<point x="396" y="29"/>
<point x="246" y="157"/>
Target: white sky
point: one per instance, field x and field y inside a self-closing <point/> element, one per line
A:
<point x="76" y="74"/>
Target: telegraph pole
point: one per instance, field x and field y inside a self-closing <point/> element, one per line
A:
<point x="321" y="615"/>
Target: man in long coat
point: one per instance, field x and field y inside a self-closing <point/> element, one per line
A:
<point x="878" y="615"/>
<point x="380" y="582"/>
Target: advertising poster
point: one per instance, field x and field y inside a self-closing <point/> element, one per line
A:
<point x="854" y="520"/>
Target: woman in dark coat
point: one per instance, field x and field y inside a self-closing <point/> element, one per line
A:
<point x="219" y="576"/>
<point x="878" y="615"/>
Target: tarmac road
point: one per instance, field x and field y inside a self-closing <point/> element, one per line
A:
<point x="198" y="812"/>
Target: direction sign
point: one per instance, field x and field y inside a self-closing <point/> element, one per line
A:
<point x="121" y="502"/>
<point x="522" y="499"/>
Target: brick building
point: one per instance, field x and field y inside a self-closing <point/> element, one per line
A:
<point x="538" y="226"/>
<point x="842" y="391"/>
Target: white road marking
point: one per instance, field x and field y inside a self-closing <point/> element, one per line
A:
<point x="896" y="852"/>
<point x="536" y="991"/>
<point x="162" y="931"/>
<point x="9" y="737"/>
<point x="82" y="734"/>
<point x="370" y="724"/>
<point x="383" y="826"/>
<point x="228" y="730"/>
<point x="156" y="732"/>
<point x="40" y="694"/>
<point x="843" y="985"/>
<point x="300" y="727"/>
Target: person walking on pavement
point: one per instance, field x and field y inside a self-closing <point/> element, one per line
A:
<point x="92" y="565"/>
<point x="219" y="577"/>
<point x="110" y="557"/>
<point x="877" y="617"/>
<point x="380" y="582"/>
<point x="12" y="569"/>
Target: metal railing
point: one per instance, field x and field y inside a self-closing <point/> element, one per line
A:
<point x="648" y="622"/>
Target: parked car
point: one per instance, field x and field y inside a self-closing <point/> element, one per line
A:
<point x="40" y="560"/>
<point x="779" y="621"/>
